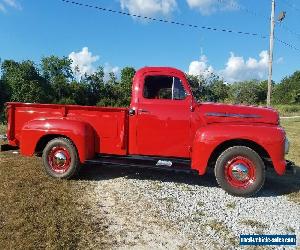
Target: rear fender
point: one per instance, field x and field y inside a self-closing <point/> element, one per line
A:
<point x="80" y="133"/>
<point x="208" y="138"/>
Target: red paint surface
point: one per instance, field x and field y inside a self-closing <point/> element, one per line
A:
<point x="174" y="128"/>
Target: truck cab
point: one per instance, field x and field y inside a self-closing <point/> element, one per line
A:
<point x="161" y="113"/>
<point x="164" y="127"/>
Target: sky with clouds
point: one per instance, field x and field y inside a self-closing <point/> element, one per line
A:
<point x="90" y="38"/>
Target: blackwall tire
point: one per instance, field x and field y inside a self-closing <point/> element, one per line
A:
<point x="60" y="159"/>
<point x="240" y="171"/>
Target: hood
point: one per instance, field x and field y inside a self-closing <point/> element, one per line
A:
<point x="217" y="112"/>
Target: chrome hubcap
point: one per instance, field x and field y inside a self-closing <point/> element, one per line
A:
<point x="60" y="159"/>
<point x="240" y="172"/>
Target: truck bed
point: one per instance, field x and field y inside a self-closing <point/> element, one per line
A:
<point x="109" y="124"/>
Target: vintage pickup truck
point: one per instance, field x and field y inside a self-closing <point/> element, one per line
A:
<point x="164" y="127"/>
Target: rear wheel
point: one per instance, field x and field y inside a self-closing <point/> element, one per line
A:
<point x="240" y="171"/>
<point x="60" y="159"/>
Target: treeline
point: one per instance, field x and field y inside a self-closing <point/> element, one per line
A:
<point x="253" y="92"/>
<point x="53" y="81"/>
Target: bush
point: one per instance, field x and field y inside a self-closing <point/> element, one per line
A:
<point x="249" y="92"/>
<point x="288" y="90"/>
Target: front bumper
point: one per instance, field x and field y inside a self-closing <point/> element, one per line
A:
<point x="286" y="146"/>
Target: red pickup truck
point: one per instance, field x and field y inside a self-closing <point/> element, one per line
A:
<point x="164" y="127"/>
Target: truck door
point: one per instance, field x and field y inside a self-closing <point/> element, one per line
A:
<point x="163" y="117"/>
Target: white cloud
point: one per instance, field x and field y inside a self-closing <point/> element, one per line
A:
<point x="2" y="8"/>
<point x="280" y="60"/>
<point x="149" y="7"/>
<point x="201" y="67"/>
<point x="237" y="69"/>
<point x="82" y="62"/>
<point x="108" y="69"/>
<point x="13" y="3"/>
<point x="207" y="7"/>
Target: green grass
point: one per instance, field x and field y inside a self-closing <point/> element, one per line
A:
<point x="221" y="229"/>
<point x="231" y="205"/>
<point x="292" y="128"/>
<point x="253" y="224"/>
<point x="37" y="212"/>
<point x="2" y="129"/>
<point x="288" y="110"/>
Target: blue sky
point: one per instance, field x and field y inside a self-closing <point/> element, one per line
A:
<point x="31" y="29"/>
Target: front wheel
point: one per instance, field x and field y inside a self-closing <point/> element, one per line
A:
<point x="60" y="158"/>
<point x="240" y="171"/>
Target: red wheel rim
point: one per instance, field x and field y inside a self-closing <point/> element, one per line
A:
<point x="240" y="172"/>
<point x="59" y="159"/>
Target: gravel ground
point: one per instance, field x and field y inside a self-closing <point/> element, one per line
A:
<point x="150" y="209"/>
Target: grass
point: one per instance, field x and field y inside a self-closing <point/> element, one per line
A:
<point x="288" y="110"/>
<point x="253" y="224"/>
<point x="38" y="212"/>
<point x="2" y="129"/>
<point x="231" y="205"/>
<point x="292" y="128"/>
<point x="221" y="229"/>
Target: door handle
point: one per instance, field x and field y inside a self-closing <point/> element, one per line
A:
<point x="131" y="112"/>
<point x="143" y="111"/>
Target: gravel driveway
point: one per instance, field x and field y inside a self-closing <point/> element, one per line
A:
<point x="151" y="209"/>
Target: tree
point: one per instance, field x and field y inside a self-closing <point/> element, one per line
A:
<point x="4" y="94"/>
<point x="57" y="71"/>
<point x="24" y="82"/>
<point x="211" y="88"/>
<point x="95" y="86"/>
<point x="197" y="86"/>
<point x="288" y="90"/>
<point x="127" y="75"/>
<point x="218" y="90"/>
<point x="248" y="92"/>
<point x="4" y="97"/>
<point x="79" y="94"/>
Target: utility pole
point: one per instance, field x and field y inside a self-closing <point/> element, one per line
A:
<point x="271" y="54"/>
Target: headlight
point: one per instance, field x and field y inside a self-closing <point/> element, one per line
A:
<point x="286" y="146"/>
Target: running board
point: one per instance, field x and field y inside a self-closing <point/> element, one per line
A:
<point x="138" y="161"/>
<point x="7" y="147"/>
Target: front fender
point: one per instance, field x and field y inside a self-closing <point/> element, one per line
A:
<point x="207" y="138"/>
<point x="81" y="134"/>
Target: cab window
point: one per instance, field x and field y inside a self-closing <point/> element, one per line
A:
<point x="163" y="87"/>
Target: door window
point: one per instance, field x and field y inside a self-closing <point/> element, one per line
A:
<point x="163" y="87"/>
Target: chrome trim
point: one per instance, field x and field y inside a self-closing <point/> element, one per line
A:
<point x="60" y="159"/>
<point x="240" y="172"/>
<point x="232" y="115"/>
<point x="286" y="146"/>
<point x="164" y="163"/>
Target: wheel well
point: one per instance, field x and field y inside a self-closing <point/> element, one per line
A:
<point x="43" y="142"/>
<point x="240" y="142"/>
